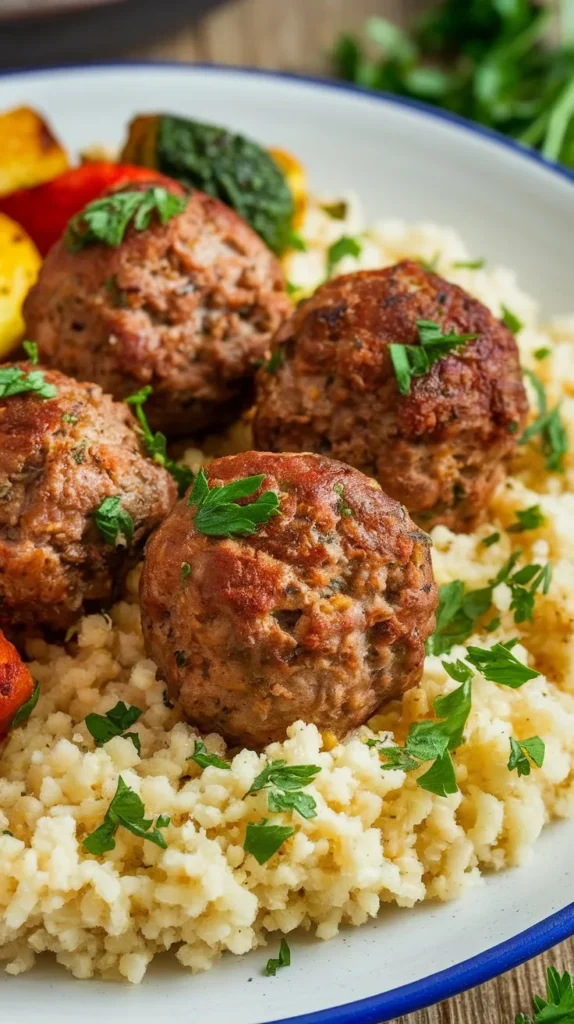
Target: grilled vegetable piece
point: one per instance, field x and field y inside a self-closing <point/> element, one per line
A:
<point x="234" y="169"/>
<point x="29" y="152"/>
<point x="44" y="211"/>
<point x="16" y="684"/>
<point x="19" y="265"/>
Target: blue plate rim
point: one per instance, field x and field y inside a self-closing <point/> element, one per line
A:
<point x="558" y="926"/>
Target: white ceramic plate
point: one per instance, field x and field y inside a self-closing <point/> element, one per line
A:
<point x="512" y="208"/>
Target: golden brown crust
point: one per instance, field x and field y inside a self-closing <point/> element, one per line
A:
<point x="319" y="615"/>
<point x="188" y="307"/>
<point x="59" y="459"/>
<point x="440" y="449"/>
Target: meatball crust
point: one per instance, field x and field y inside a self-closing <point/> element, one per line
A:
<point x="439" y="449"/>
<point x="188" y="307"/>
<point x="59" y="459"/>
<point x="321" y="615"/>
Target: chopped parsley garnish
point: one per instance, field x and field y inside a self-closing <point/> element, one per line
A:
<point x="275" y="361"/>
<point x="283" y="960"/>
<point x="344" y="246"/>
<point x="163" y="820"/>
<point x="499" y="665"/>
<point x="79" y="452"/>
<point x="6" y="832"/>
<point x="490" y="540"/>
<point x="114" y="523"/>
<point x="295" y="241"/>
<point x="541" y="353"/>
<point x="342" y="508"/>
<point x="262" y="840"/>
<point x="430" y="740"/>
<point x="523" y="752"/>
<point x="185" y="571"/>
<point x="287" y="781"/>
<point x="25" y="710"/>
<point x="31" y="350"/>
<point x="416" y="360"/>
<point x="106" y="220"/>
<point x="204" y="759"/>
<point x="115" y="722"/>
<point x="558" y="1007"/>
<point x="15" y="381"/>
<point x="429" y="265"/>
<point x="156" y="444"/>
<point x="219" y="515"/>
<point x="127" y="810"/>
<point x="469" y="264"/>
<point x="458" y="611"/>
<point x="118" y="297"/>
<point x="549" y="426"/>
<point x="336" y="210"/>
<point x="511" y="320"/>
<point x="528" y="519"/>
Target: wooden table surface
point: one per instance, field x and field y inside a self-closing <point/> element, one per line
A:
<point x="296" y="35"/>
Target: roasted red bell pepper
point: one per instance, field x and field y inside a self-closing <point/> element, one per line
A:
<point x="16" y="684"/>
<point x="44" y="211"/>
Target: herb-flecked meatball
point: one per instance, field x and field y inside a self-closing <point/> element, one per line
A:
<point x="439" y="449"/>
<point x="188" y="307"/>
<point x="321" y="614"/>
<point x="61" y="459"/>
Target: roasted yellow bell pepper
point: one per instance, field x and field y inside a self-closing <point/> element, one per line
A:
<point x="19" y="265"/>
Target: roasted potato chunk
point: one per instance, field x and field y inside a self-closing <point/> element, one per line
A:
<point x="29" y="152"/>
<point x="19" y="265"/>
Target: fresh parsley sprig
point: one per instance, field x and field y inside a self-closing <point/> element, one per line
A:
<point x="499" y="665"/>
<point x="115" y="722"/>
<point x="432" y="740"/>
<point x="527" y="519"/>
<point x="343" y="508"/>
<point x="285" y="782"/>
<point x="106" y="220"/>
<point x="558" y="1007"/>
<point x="283" y="960"/>
<point x="31" y="350"/>
<point x="263" y="840"/>
<point x="204" y="759"/>
<point x="114" y="523"/>
<point x="219" y="515"/>
<point x="15" y="381"/>
<point x="416" y="360"/>
<point x="128" y="811"/>
<point x="156" y="444"/>
<point x="344" y="246"/>
<point x="25" y="710"/>
<point x="548" y="426"/>
<point x="524" y="753"/>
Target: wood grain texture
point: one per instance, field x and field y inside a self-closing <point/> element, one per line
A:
<point x="296" y="35"/>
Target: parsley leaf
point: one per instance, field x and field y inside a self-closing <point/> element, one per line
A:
<point x="416" y="360"/>
<point x="430" y="740"/>
<point x="549" y="427"/>
<point x="342" y="508"/>
<point x="106" y="220"/>
<point x="522" y="752"/>
<point x="31" y="350"/>
<point x="283" y="960"/>
<point x="541" y="353"/>
<point x="25" y="710"/>
<point x="469" y="264"/>
<point x="285" y="776"/>
<point x="275" y="361"/>
<point x="218" y="515"/>
<point x="114" y="723"/>
<point x="127" y="810"/>
<point x="156" y="444"/>
<point x="294" y="240"/>
<point x="204" y="759"/>
<point x="528" y="519"/>
<point x="511" y="321"/>
<point x="298" y="801"/>
<point x="114" y="523"/>
<point x="185" y="571"/>
<point x="558" y="1007"/>
<point x="490" y="540"/>
<point x="263" y="840"/>
<point x="15" y="381"/>
<point x="344" y="246"/>
<point x="499" y="665"/>
<point x="336" y="210"/>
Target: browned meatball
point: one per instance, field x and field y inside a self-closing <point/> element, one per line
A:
<point x="59" y="459"/>
<point x="321" y="615"/>
<point x="439" y="449"/>
<point x="188" y="307"/>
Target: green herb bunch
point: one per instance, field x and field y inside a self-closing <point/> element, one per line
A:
<point x="487" y="60"/>
<point x="106" y="220"/>
<point x="219" y="515"/>
<point x="156" y="444"/>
